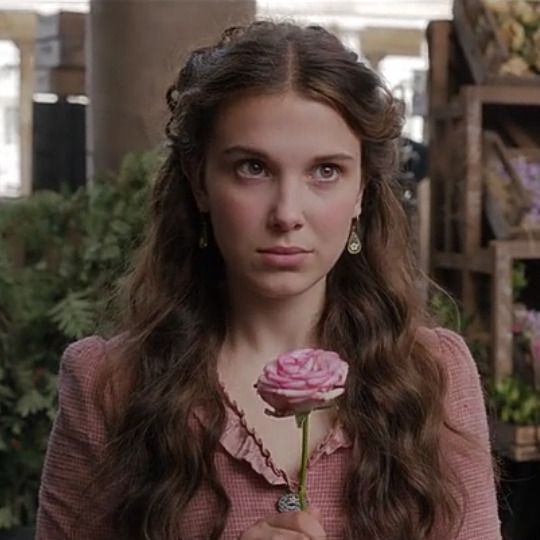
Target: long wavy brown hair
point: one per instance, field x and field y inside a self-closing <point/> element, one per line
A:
<point x="397" y="486"/>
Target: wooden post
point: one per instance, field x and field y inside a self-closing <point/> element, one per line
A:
<point x="501" y="313"/>
<point x="438" y="35"/>
<point x="423" y="196"/>
<point x="472" y="187"/>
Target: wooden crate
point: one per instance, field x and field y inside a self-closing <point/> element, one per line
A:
<point x="57" y="52"/>
<point x="520" y="443"/>
<point x="457" y="167"/>
<point x="60" y="81"/>
<point x="483" y="45"/>
<point x="503" y="255"/>
<point x="520" y="132"/>
<point x="60" y="54"/>
<point x="506" y="198"/>
<point x="64" y="25"/>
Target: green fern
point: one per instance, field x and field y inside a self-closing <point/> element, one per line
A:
<point x="75" y="315"/>
<point x="75" y="248"/>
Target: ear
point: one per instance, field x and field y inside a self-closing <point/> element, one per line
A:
<point x="198" y="187"/>
<point x="358" y="203"/>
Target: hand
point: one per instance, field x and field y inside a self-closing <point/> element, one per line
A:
<point x="287" y="526"/>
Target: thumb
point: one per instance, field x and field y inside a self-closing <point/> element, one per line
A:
<point x="315" y="512"/>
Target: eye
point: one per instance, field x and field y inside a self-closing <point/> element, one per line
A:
<point x="327" y="172"/>
<point x="251" y="168"/>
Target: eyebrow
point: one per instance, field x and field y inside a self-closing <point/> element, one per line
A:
<point x="240" y="149"/>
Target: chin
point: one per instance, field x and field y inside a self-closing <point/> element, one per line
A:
<point x="285" y="286"/>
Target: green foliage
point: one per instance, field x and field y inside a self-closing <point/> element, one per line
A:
<point x="516" y="402"/>
<point x="446" y="310"/>
<point x="519" y="280"/>
<point x="74" y="247"/>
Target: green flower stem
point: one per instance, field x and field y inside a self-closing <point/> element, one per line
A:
<point x="303" y="421"/>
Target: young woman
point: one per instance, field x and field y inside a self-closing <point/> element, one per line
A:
<point x="273" y="227"/>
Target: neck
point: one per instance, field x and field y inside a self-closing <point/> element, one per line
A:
<point x="268" y="327"/>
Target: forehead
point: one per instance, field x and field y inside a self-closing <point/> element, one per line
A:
<point x="281" y="123"/>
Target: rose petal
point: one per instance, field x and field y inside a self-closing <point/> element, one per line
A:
<point x="302" y="380"/>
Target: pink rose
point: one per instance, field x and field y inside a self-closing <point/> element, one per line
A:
<point x="299" y="381"/>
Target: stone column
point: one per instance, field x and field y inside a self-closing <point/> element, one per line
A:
<point x="26" y="49"/>
<point x="135" y="49"/>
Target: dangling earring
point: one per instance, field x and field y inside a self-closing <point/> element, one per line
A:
<point x="203" y="237"/>
<point x="354" y="244"/>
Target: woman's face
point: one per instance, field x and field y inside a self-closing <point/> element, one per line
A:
<point x="282" y="183"/>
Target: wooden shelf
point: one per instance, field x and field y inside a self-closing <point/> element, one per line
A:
<point x="504" y="95"/>
<point x="448" y="111"/>
<point x="452" y="261"/>
<point x="519" y="249"/>
<point x="460" y="113"/>
<point x="486" y="95"/>
<point x="481" y="261"/>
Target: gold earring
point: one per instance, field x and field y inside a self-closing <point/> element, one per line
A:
<point x="354" y="244"/>
<point x="203" y="238"/>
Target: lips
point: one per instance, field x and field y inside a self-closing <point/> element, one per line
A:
<point x="284" y="250"/>
<point x="288" y="258"/>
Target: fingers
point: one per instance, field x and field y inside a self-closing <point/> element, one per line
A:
<point x="265" y="532"/>
<point x="315" y="513"/>
<point x="307" y="523"/>
<point x="288" y="526"/>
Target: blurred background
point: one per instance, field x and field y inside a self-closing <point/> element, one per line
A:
<point x="82" y="113"/>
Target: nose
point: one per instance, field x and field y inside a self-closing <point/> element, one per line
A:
<point x="286" y="212"/>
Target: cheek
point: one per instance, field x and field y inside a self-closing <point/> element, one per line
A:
<point x="232" y="217"/>
<point x="334" y="222"/>
<point x="335" y="230"/>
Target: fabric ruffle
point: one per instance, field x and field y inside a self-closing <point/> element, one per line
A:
<point x="243" y="443"/>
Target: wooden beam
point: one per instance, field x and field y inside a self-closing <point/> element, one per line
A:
<point x="520" y="249"/>
<point x="391" y="41"/>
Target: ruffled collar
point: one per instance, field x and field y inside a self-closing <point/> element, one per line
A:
<point x="242" y="442"/>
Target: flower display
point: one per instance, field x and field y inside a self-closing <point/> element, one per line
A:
<point x="513" y="34"/>
<point x="529" y="174"/>
<point x="518" y="22"/>
<point x="520" y="208"/>
<point x="527" y="325"/>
